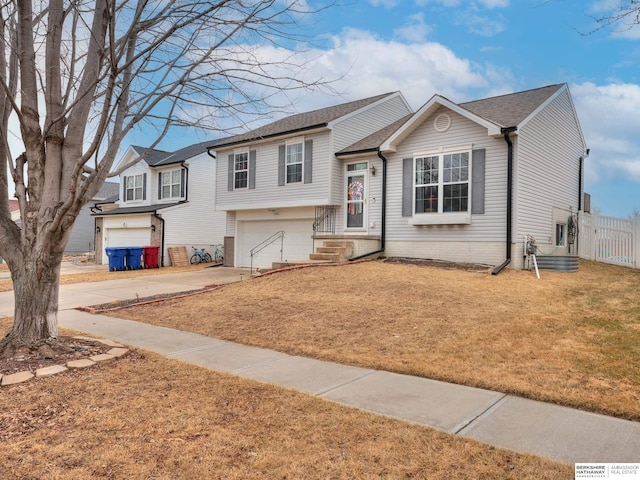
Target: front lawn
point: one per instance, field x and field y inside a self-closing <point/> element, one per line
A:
<point x="569" y="338"/>
<point x="147" y="417"/>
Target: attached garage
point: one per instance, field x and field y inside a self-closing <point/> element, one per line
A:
<point x="125" y="231"/>
<point x="297" y="243"/>
<point x="124" y="237"/>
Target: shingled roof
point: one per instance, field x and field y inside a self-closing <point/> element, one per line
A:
<point x="510" y="110"/>
<point x="300" y="122"/>
<point x="373" y="141"/>
<point x="159" y="158"/>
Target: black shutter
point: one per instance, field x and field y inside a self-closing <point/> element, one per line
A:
<point x="407" y="187"/>
<point x="144" y="186"/>
<point x="308" y="161"/>
<point x="281" y="166"/>
<point x="230" y="176"/>
<point x="477" y="181"/>
<point x="124" y="188"/>
<point x="252" y="169"/>
<point x="183" y="183"/>
<point x="159" y="185"/>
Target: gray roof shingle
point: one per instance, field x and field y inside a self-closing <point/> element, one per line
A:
<point x="511" y="109"/>
<point x="373" y="141"/>
<point x="300" y="121"/>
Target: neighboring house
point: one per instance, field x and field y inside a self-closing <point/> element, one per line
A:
<point x="82" y="239"/>
<point x="14" y="208"/>
<point x="284" y="177"/>
<point x="461" y="182"/>
<point x="166" y="199"/>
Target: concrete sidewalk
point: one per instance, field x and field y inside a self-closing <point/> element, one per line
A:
<point x="560" y="433"/>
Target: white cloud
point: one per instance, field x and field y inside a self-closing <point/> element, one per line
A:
<point x="416" y="30"/>
<point x="419" y="70"/>
<point x="626" y="26"/>
<point x="455" y="3"/>
<point x="610" y="123"/>
<point x="480" y="24"/>
<point x="384" y="3"/>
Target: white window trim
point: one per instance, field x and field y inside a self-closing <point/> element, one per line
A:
<point x="171" y="184"/>
<point x="134" y="188"/>
<point x="442" y="218"/>
<point x="288" y="143"/>
<point x="235" y="154"/>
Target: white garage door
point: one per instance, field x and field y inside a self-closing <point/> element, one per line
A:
<point x="125" y="237"/>
<point x="297" y="243"/>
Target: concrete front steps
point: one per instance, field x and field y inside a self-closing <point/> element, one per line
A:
<point x="331" y="251"/>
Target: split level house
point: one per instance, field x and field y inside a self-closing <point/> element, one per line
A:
<point x="464" y="182"/>
<point x="166" y="199"/>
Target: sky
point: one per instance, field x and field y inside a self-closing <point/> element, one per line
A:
<point x="466" y="50"/>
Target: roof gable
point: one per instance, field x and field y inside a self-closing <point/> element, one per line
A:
<point x="183" y="154"/>
<point x="302" y="121"/>
<point x="512" y="109"/>
<point x="495" y="113"/>
<point x="151" y="157"/>
<point x="373" y="141"/>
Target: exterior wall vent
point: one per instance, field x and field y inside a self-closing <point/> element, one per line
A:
<point x="442" y="123"/>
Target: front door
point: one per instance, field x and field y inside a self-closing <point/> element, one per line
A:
<point x="356" y="194"/>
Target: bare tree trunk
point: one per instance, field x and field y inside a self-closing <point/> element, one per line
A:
<point x="35" y="280"/>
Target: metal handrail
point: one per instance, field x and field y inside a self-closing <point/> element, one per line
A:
<point x="265" y="243"/>
<point x="325" y="216"/>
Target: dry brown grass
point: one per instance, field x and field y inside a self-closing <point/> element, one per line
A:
<point x="572" y="339"/>
<point x="6" y="285"/>
<point x="144" y="416"/>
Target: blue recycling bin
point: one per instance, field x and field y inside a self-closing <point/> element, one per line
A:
<point x="117" y="256"/>
<point x="134" y="258"/>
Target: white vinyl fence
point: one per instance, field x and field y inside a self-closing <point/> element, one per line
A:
<point x="609" y="239"/>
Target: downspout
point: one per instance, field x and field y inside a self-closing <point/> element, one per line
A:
<point x="383" y="220"/>
<point x="186" y="180"/>
<point x="580" y="193"/>
<point x="580" y="173"/>
<point x="506" y="132"/>
<point x="155" y="214"/>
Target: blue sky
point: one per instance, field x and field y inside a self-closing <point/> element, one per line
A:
<point x="466" y="50"/>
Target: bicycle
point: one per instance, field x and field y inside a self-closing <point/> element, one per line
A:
<point x="218" y="255"/>
<point x="199" y="256"/>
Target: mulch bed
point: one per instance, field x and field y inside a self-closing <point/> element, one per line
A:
<point x="468" y="267"/>
<point x="76" y="349"/>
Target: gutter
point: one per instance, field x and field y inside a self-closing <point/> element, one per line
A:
<point x="384" y="208"/>
<point x="506" y="132"/>
<point x="266" y="137"/>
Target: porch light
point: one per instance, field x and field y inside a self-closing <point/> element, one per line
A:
<point x="372" y="169"/>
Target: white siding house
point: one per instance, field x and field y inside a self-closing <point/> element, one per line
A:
<point x="461" y="182"/>
<point x="167" y="199"/>
<point x="280" y="177"/>
<point x="448" y="171"/>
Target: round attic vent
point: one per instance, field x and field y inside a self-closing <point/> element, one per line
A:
<point x="442" y="123"/>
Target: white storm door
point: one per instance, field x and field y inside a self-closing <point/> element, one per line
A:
<point x="356" y="204"/>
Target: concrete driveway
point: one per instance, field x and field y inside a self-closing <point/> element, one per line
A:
<point x="88" y="293"/>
